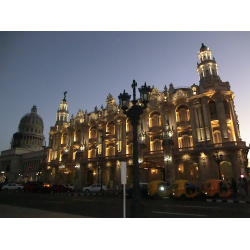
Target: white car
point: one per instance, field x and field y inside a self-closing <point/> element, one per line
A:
<point x="96" y="187"/>
<point x="69" y="186"/>
<point x="12" y="186"/>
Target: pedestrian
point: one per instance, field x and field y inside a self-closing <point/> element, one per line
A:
<point x="245" y="186"/>
<point x="234" y="187"/>
<point x="240" y="187"/>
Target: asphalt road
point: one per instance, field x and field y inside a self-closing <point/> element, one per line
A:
<point x="112" y="206"/>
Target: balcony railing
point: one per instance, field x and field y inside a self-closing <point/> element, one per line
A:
<point x="183" y="123"/>
<point x="155" y="129"/>
<point x="211" y="146"/>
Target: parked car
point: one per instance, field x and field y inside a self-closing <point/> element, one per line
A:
<point x="144" y="190"/>
<point x="29" y="186"/>
<point x="2" y="184"/>
<point x="33" y="186"/>
<point x="12" y="186"/>
<point x="42" y="188"/>
<point x="69" y="186"/>
<point x="96" y="187"/>
<point x="59" y="188"/>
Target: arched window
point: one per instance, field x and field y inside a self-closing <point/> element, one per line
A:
<point x="93" y="133"/>
<point x="182" y="113"/>
<point x="186" y="141"/>
<point x="207" y="72"/>
<point x="128" y="126"/>
<point x="226" y="108"/>
<point x="217" y="137"/>
<point x="111" y="128"/>
<point x="64" y="138"/>
<point x="230" y="136"/>
<point x="154" y="119"/>
<point x="92" y="153"/>
<point x="78" y="135"/>
<point x="157" y="145"/>
<point x="130" y="148"/>
<point x="212" y="110"/>
<point x="110" y="151"/>
<point x="213" y="72"/>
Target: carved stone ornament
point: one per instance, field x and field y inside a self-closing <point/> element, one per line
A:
<point x="109" y="98"/>
<point x="155" y="93"/>
<point x="180" y="94"/>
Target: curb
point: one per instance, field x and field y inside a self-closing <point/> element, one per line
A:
<point x="94" y="194"/>
<point x="228" y="201"/>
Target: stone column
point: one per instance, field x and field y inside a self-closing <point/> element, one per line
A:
<point x="236" y="166"/>
<point x="58" y="145"/>
<point x="172" y="123"/>
<point x="234" y="119"/>
<point x="207" y="119"/>
<point x="123" y="126"/>
<point x="222" y="118"/>
<point x="197" y="123"/>
<point x="145" y="122"/>
<point x="201" y="123"/>
<point x="192" y="122"/>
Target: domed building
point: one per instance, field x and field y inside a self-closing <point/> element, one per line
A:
<point x="30" y="132"/>
<point x="23" y="161"/>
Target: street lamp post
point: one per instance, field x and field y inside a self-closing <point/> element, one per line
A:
<point x="134" y="114"/>
<point x="167" y="146"/>
<point x="98" y="169"/>
<point x="103" y="156"/>
<point x="218" y="159"/>
<point x="167" y="160"/>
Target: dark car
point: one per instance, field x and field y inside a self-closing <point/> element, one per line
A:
<point x="29" y="186"/>
<point x="2" y="184"/>
<point x="59" y="188"/>
<point x="143" y="188"/>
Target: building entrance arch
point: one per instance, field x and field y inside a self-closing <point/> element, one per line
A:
<point x="226" y="170"/>
<point x="188" y="170"/>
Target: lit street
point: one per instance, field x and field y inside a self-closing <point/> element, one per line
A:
<point x="112" y="207"/>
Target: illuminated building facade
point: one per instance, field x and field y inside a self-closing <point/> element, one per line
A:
<point x="179" y="133"/>
<point x="21" y="163"/>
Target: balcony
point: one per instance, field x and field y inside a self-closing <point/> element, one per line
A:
<point x="214" y="117"/>
<point x="76" y="144"/>
<point x="183" y="124"/>
<point x="216" y="146"/>
<point x="92" y="140"/>
<point x="155" y="129"/>
<point x="129" y="134"/>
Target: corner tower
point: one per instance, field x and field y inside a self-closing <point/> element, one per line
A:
<point x="207" y="68"/>
<point x="62" y="113"/>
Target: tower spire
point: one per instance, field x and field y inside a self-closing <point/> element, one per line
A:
<point x="63" y="113"/>
<point x="207" y="68"/>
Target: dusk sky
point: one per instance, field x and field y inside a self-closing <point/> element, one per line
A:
<point x="37" y="67"/>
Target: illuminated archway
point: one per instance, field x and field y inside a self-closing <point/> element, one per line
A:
<point x="226" y="170"/>
<point x="188" y="170"/>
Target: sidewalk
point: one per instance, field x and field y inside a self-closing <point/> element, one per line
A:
<point x="231" y="199"/>
<point x="7" y="211"/>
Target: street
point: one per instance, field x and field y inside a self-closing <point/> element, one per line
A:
<point x="112" y="207"/>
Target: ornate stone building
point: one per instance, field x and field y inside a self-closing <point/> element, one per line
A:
<point x="22" y="161"/>
<point x="179" y="134"/>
